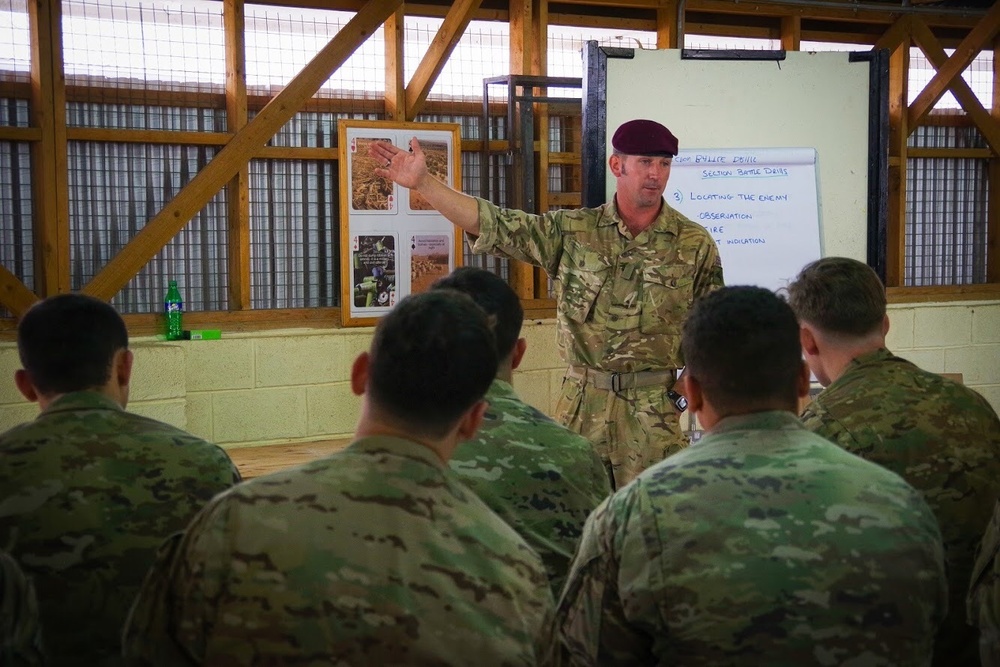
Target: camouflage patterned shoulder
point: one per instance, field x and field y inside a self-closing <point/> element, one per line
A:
<point x="368" y="556"/>
<point x="538" y="476"/>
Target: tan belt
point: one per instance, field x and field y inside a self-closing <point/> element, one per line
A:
<point x="618" y="381"/>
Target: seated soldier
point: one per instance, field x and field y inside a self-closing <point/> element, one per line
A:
<point x="984" y="594"/>
<point x="20" y="636"/>
<point x="375" y="555"/>
<point x="762" y="543"/>
<point x="540" y="477"/>
<point x="90" y="490"/>
<point x="941" y="437"/>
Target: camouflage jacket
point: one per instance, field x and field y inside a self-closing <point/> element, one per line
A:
<point x="87" y="494"/>
<point x="761" y="544"/>
<point x="984" y="593"/>
<point x="539" y="477"/>
<point x="621" y="301"/>
<point x="375" y="555"/>
<point x="942" y="438"/>
<point x="20" y="634"/>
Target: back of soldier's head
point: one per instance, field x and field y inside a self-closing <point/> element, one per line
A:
<point x="68" y="342"/>
<point x="742" y="345"/>
<point x="839" y="296"/>
<point x="495" y="296"/>
<point x="432" y="357"/>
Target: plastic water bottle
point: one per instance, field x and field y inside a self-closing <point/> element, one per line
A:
<point x="173" y="309"/>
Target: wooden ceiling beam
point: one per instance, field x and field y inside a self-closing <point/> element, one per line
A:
<point x="14" y="295"/>
<point x="988" y="126"/>
<point x="434" y="60"/>
<point x="234" y="156"/>
<point x="966" y="52"/>
<point x="897" y="34"/>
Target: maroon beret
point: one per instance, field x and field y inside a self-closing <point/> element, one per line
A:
<point x="644" y="137"/>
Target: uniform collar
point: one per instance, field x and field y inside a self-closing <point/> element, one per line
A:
<point x="770" y="420"/>
<point x="871" y="358"/>
<point x="666" y="222"/>
<point x="83" y="400"/>
<point x="393" y="446"/>
<point x="500" y="389"/>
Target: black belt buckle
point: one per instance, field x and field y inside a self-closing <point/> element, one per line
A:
<point x="616" y="382"/>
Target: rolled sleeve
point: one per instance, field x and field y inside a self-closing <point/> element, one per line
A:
<point x="526" y="237"/>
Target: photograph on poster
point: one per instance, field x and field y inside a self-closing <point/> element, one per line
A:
<point x="436" y="153"/>
<point x="368" y="191"/>
<point x="393" y="243"/>
<point x="430" y="259"/>
<point x="374" y="261"/>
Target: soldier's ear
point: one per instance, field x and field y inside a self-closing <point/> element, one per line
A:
<point x="808" y="339"/>
<point x="359" y="374"/>
<point x="472" y="420"/>
<point x="23" y="384"/>
<point x="518" y="353"/>
<point x="691" y="389"/>
<point x="885" y="324"/>
<point x="803" y="380"/>
<point x="121" y="366"/>
<point x="615" y="163"/>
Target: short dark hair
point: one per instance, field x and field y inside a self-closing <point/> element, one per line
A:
<point x="742" y="345"/>
<point x="432" y="357"/>
<point x="839" y="295"/>
<point x="68" y="342"/>
<point x="495" y="296"/>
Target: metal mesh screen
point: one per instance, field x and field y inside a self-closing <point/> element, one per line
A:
<point x="114" y="190"/>
<point x="946" y="211"/>
<point x="142" y="48"/>
<point x="294" y="237"/>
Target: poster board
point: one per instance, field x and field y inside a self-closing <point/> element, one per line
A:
<point x="393" y="243"/>
<point x="760" y="205"/>
<point x="835" y="103"/>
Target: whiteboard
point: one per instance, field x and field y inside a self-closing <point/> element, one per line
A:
<point x="759" y="204"/>
<point x="834" y="104"/>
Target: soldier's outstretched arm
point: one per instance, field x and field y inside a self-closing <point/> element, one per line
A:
<point x="409" y="169"/>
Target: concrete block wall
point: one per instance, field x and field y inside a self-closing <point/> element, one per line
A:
<point x="293" y="386"/>
<point x="956" y="337"/>
<point x="268" y="387"/>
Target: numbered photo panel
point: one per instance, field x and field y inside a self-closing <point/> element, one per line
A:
<point x="393" y="241"/>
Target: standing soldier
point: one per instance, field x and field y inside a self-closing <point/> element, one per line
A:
<point x="625" y="275"/>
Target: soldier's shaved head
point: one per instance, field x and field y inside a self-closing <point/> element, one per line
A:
<point x="742" y="345"/>
<point x="432" y="357"/>
<point x="495" y="296"/>
<point x="67" y="343"/>
<point x="839" y="296"/>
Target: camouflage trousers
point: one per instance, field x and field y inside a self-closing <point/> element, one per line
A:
<point x="630" y="430"/>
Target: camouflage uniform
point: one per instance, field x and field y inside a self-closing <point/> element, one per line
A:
<point x="376" y="555"/>
<point x="621" y="303"/>
<point x="942" y="438"/>
<point x="540" y="478"/>
<point x="89" y="493"/>
<point x="984" y="594"/>
<point x="761" y="544"/>
<point x="20" y="637"/>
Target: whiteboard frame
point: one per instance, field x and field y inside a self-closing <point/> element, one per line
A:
<point x="595" y="131"/>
